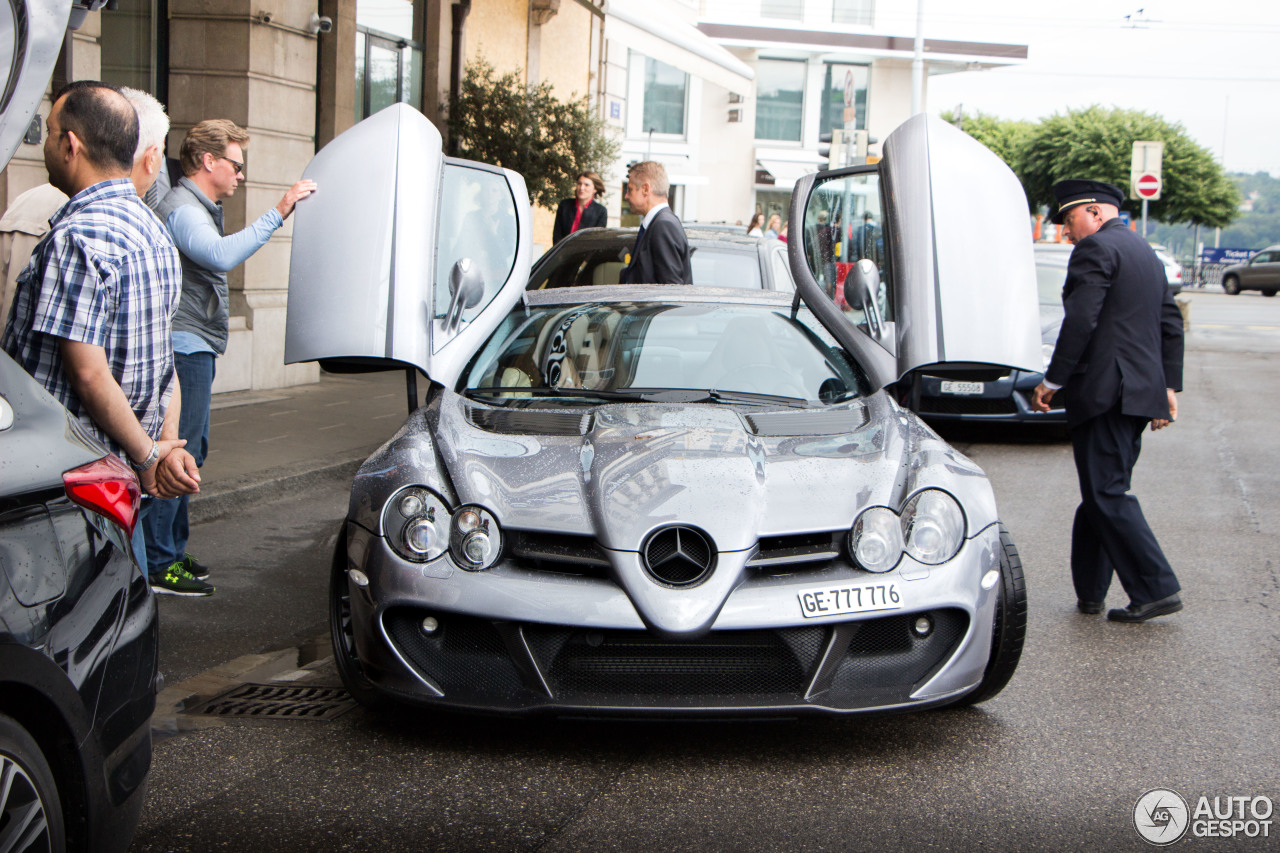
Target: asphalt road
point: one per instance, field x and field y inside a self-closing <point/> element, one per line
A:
<point x="1097" y="714"/>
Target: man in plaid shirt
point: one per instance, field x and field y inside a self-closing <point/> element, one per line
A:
<point x="92" y="312"/>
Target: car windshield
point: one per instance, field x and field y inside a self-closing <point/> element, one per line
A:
<point x="599" y="264"/>
<point x="662" y="352"/>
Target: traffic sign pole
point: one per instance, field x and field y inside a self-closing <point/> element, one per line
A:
<point x="1144" y="218"/>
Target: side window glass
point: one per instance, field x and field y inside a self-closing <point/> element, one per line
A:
<point x="782" y="281"/>
<point x="476" y="246"/>
<point x="843" y="224"/>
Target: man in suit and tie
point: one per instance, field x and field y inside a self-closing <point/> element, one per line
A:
<point x="661" y="253"/>
<point x="1118" y="362"/>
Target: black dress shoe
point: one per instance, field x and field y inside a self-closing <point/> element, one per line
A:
<point x="1090" y="607"/>
<point x="1150" y="610"/>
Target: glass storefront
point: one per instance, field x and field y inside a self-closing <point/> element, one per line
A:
<point x="388" y="59"/>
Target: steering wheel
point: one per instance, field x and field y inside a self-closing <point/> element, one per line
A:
<point x="762" y="378"/>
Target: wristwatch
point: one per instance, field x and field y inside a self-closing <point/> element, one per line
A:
<point x="149" y="461"/>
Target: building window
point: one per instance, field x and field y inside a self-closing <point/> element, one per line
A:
<point x="779" y="99"/>
<point x="132" y="46"/>
<point x="842" y="81"/>
<point x="388" y="59"/>
<point x="664" y="98"/>
<point x="859" y="12"/>
<point x="788" y="10"/>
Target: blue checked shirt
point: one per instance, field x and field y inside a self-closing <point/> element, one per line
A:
<point x="106" y="274"/>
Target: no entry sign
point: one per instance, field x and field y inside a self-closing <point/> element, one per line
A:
<point x="1148" y="187"/>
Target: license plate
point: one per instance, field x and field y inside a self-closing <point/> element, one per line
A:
<point x="949" y="387"/>
<point x="841" y="600"/>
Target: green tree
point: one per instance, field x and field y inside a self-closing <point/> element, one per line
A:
<point x="1097" y="143"/>
<point x="500" y="120"/>
<point x="1007" y="138"/>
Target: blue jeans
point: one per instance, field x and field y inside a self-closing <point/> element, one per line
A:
<point x="165" y="521"/>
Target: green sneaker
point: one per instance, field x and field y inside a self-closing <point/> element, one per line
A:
<point x="178" y="581"/>
<point x="194" y="567"/>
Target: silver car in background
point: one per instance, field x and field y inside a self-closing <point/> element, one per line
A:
<point x="657" y="499"/>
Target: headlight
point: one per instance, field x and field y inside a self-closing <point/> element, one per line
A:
<point x="934" y="525"/>
<point x="474" y="539"/>
<point x="416" y="523"/>
<point x="876" y="539"/>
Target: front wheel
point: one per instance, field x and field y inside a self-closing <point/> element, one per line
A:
<point x="1009" y="628"/>
<point x="1231" y="285"/>
<point x="342" y="632"/>
<point x="30" y="811"/>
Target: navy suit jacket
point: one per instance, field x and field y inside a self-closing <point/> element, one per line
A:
<point x="1121" y="339"/>
<point x="661" y="254"/>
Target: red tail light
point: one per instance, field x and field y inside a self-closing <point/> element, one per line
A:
<point x="107" y="487"/>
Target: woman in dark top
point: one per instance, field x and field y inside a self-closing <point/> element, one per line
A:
<point x="581" y="211"/>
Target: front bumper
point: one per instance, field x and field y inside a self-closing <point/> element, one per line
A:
<point x="520" y="641"/>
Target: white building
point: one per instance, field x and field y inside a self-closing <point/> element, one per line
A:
<point x="733" y="95"/>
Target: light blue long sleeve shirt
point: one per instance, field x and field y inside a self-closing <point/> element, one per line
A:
<point x="196" y="238"/>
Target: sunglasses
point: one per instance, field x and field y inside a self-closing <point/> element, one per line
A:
<point x="238" y="165"/>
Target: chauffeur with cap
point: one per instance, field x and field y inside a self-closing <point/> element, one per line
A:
<point x="1118" y="362"/>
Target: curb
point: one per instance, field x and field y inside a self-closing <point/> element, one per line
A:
<point x="244" y="492"/>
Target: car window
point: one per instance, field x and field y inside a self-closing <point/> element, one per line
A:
<point x="477" y="222"/>
<point x="782" y="280"/>
<point x="618" y="347"/>
<point x="714" y="268"/>
<point x="844" y="224"/>
<point x="595" y="265"/>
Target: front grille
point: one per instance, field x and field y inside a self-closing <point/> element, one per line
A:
<point x="630" y="663"/>
<point x="785" y="554"/>
<point x="465" y="656"/>
<point x="563" y="553"/>
<point x="968" y="406"/>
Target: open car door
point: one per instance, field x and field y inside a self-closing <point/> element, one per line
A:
<point x="403" y="257"/>
<point x="31" y="34"/>
<point x="927" y="255"/>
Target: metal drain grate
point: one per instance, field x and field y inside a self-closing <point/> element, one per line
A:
<point x="277" y="702"/>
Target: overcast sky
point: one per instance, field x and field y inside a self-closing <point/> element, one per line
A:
<point x="1213" y="66"/>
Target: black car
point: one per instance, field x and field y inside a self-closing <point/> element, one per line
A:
<point x="78" y="630"/>
<point x="722" y="257"/>
<point x="962" y="393"/>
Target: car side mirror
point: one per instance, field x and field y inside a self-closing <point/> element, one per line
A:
<point x="861" y="286"/>
<point x="466" y="289"/>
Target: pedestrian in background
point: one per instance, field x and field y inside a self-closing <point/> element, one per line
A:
<point x="775" y="224"/>
<point x="756" y="227"/>
<point x="661" y="252"/>
<point x="1118" y="362"/>
<point x="212" y="158"/>
<point x="92" y="310"/>
<point x="583" y="210"/>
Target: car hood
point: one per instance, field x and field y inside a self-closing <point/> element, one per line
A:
<point x="617" y="473"/>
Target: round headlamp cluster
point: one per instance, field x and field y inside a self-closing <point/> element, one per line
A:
<point x="930" y="529"/>
<point x="421" y="528"/>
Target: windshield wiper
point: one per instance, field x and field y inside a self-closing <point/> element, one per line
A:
<point x="713" y="395"/>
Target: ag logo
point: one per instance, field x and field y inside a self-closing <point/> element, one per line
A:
<point x="1160" y="816"/>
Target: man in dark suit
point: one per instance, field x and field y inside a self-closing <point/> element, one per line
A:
<point x="661" y="253"/>
<point x="1118" y="361"/>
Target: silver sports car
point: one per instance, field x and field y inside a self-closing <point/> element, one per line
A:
<point x="649" y="499"/>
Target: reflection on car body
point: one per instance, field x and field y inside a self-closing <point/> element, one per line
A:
<point x="659" y="499"/>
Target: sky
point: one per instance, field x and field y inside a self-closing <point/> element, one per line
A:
<point x="1213" y="67"/>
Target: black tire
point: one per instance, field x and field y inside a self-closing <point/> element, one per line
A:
<point x="1268" y="293"/>
<point x="31" y="797"/>
<point x="1231" y="285"/>
<point x="340" y="631"/>
<point x="1009" y="628"/>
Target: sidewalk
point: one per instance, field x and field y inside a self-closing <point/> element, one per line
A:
<point x="264" y="443"/>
